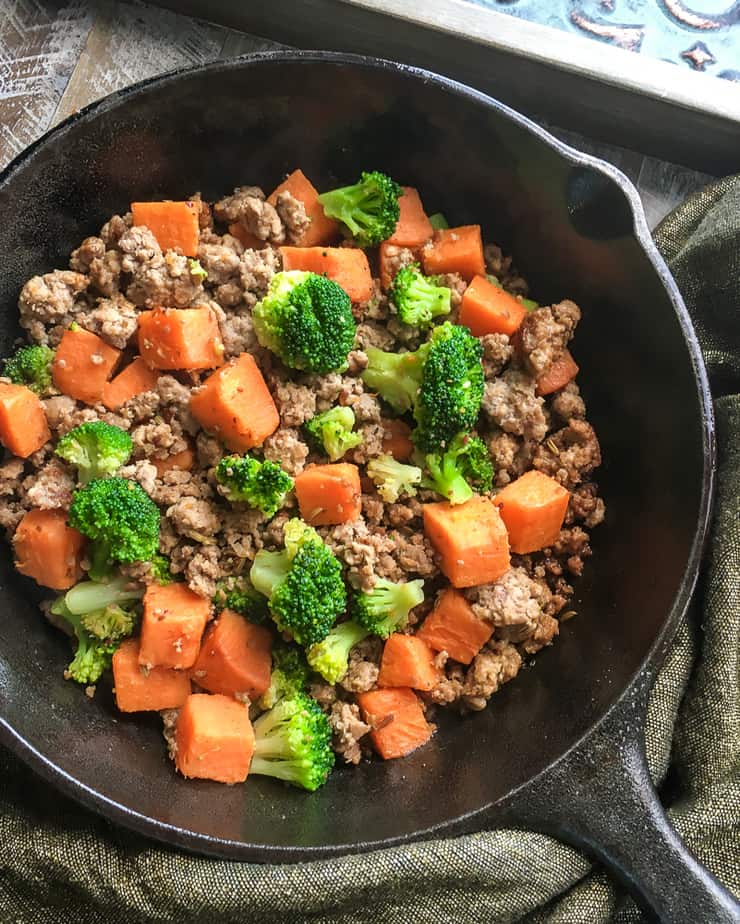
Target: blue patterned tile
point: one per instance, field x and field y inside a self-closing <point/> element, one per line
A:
<point x="702" y="34"/>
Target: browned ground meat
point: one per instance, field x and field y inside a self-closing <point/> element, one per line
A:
<point x="292" y="213"/>
<point x="367" y="554"/>
<point x="494" y="666"/>
<point x="503" y="269"/>
<point x="248" y="207"/>
<point x="511" y="456"/>
<point x="112" y="319"/>
<point x="364" y="665"/>
<point x="286" y="447"/>
<point x="512" y="604"/>
<point x="347" y="729"/>
<point x="568" y="403"/>
<point x="569" y="454"/>
<point x="51" y="486"/>
<point x="497" y="351"/>
<point x="586" y="505"/>
<point x="157" y="279"/>
<point x="370" y="334"/>
<point x="511" y="403"/>
<point x="296" y="403"/>
<point x="545" y="333"/>
<point x="47" y="304"/>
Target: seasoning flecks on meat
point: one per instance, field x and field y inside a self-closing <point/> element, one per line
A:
<point x="248" y="207"/>
<point x="511" y="403"/>
<point x="112" y="319"/>
<point x="545" y="333"/>
<point x="51" y="487"/>
<point x="293" y="215"/>
<point x="491" y="668"/>
<point x="347" y="729"/>
<point x="47" y="304"/>
<point x="569" y="454"/>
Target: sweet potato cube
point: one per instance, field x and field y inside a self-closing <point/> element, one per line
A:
<point x="533" y="509"/>
<point x="488" y="309"/>
<point x="134" y="380"/>
<point x="174" y="224"/>
<point x="23" y="425"/>
<point x="139" y="689"/>
<point x="180" y="338"/>
<point x="408" y="661"/>
<point x="470" y="539"/>
<point x="322" y="230"/>
<point x="246" y="238"/>
<point x="236" y="406"/>
<point x="179" y="461"/>
<point x="235" y="657"/>
<point x="397" y="719"/>
<point x="48" y="550"/>
<point x="413" y="227"/>
<point x="347" y="266"/>
<point x="82" y="365"/>
<point x="172" y="626"/>
<point x="557" y="375"/>
<point x="455" y="250"/>
<point x="397" y="439"/>
<point x="452" y="626"/>
<point x="214" y="738"/>
<point x="329" y="494"/>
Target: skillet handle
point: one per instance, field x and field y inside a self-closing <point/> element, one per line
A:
<point x="601" y="799"/>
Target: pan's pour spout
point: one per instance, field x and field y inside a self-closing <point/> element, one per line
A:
<point x="610" y="809"/>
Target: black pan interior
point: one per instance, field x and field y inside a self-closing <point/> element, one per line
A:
<point x="571" y="230"/>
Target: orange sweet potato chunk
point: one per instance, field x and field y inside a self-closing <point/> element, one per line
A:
<point x="215" y="739"/>
<point x="557" y="375"/>
<point x="455" y="250"/>
<point x="322" y="230"/>
<point x="397" y="719"/>
<point x="139" y="689"/>
<point x="533" y="509"/>
<point x="329" y="494"/>
<point x="488" y="309"/>
<point x="347" y="266"/>
<point x="408" y="661"/>
<point x="471" y="540"/>
<point x="82" y="365"/>
<point x="235" y="657"/>
<point x="48" y="550"/>
<point x="134" y="380"/>
<point x="413" y="227"/>
<point x="172" y="626"/>
<point x="452" y="626"/>
<point x="23" y="425"/>
<point x="174" y="224"/>
<point x="180" y="338"/>
<point x="235" y="405"/>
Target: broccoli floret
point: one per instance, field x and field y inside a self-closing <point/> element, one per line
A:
<point x="466" y="462"/>
<point x="307" y="320"/>
<point x="31" y="366"/>
<point x="303" y="584"/>
<point x="98" y="449"/>
<point x="332" y="430"/>
<point x="237" y="593"/>
<point x="392" y="478"/>
<point x="451" y="389"/>
<point x="529" y="303"/>
<point x="396" y="377"/>
<point x="99" y="621"/>
<point x="196" y="270"/>
<point x="368" y="209"/>
<point x="330" y="656"/>
<point x="159" y="570"/>
<point x="260" y="484"/>
<point x="289" y="674"/>
<point x="120" y="518"/>
<point x="438" y="221"/>
<point x="418" y="299"/>
<point x="292" y="742"/>
<point x="385" y="609"/>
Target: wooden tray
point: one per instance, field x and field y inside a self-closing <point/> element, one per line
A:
<point x="607" y="93"/>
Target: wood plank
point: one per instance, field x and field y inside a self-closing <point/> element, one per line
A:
<point x="39" y="46"/>
<point x="130" y="42"/>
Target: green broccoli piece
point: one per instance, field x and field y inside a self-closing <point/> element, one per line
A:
<point x="330" y="656"/>
<point x="307" y="321"/>
<point x="451" y="389"/>
<point x="109" y="624"/>
<point x="159" y="570"/>
<point x="98" y="449"/>
<point x="260" y="484"/>
<point x="368" y="208"/>
<point x="396" y="377"/>
<point x="289" y="674"/>
<point x="120" y="518"/>
<point x="99" y="621"/>
<point x="385" y="609"/>
<point x="90" y="596"/>
<point x="303" y="584"/>
<point x="418" y="299"/>
<point x="196" y="270"/>
<point x="392" y="478"/>
<point x="438" y="221"/>
<point x="466" y="462"/>
<point x="31" y="366"/>
<point x="529" y="303"/>
<point x="332" y="430"/>
<point x="293" y="743"/>
<point x="237" y="593"/>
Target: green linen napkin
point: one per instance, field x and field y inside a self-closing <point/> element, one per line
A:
<point x="59" y="863"/>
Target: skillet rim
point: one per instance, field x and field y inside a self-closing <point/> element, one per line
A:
<point x="240" y="850"/>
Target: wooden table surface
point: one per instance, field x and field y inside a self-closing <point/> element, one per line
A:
<point x="56" y="58"/>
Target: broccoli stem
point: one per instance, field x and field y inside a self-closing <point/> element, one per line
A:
<point x="91" y="595"/>
<point x="447" y="478"/>
<point x="269" y="570"/>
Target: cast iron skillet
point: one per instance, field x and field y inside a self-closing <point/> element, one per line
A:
<point x="560" y="749"/>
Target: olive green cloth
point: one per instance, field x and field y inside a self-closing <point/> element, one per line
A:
<point x="59" y="863"/>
